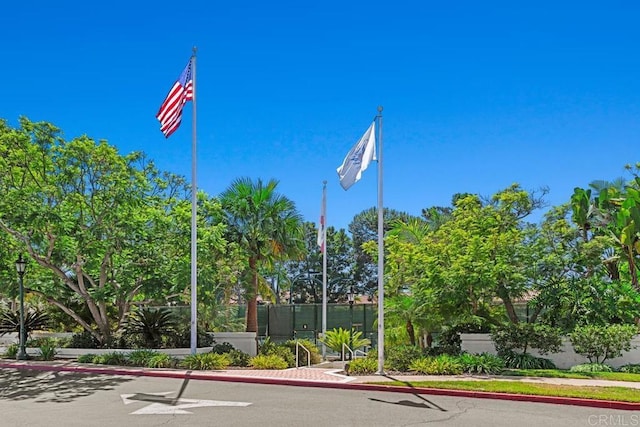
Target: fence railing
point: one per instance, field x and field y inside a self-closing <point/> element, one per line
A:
<point x="344" y="345"/>
<point x="298" y="345"/>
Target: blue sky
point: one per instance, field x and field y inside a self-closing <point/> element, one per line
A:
<point x="476" y="96"/>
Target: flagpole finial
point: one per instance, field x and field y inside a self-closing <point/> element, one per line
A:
<point x="379" y="108"/>
<point x="324" y="182"/>
<point x="195" y="49"/>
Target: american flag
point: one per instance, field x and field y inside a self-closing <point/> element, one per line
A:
<point x="170" y="113"/>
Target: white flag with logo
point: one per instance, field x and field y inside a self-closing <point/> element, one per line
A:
<point x="358" y="159"/>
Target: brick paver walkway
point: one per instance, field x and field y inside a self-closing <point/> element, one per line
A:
<point x="301" y="374"/>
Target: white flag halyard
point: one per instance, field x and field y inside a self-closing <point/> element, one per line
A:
<point x="358" y="159"/>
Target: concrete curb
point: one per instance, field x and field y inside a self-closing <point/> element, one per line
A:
<point x="212" y="376"/>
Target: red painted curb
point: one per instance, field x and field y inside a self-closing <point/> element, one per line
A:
<point x="211" y="376"/>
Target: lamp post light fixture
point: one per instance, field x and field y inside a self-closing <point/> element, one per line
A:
<point x="351" y="298"/>
<point x="21" y="266"/>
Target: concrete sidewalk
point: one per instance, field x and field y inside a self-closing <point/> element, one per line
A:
<point x="333" y="377"/>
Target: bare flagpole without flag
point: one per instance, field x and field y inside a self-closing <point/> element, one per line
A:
<point x="380" y="251"/>
<point x="323" y="248"/>
<point x="194" y="210"/>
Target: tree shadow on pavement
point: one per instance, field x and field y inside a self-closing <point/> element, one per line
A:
<point x="154" y="398"/>
<point x="423" y="402"/>
<point x="51" y="386"/>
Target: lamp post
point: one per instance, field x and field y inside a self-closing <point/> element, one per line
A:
<point x="351" y="297"/>
<point x="21" y="266"/>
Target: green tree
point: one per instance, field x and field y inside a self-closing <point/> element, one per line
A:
<point x="99" y="226"/>
<point x="615" y="212"/>
<point x="267" y="227"/>
<point x="410" y="303"/>
<point x="599" y="343"/>
<point x="340" y="265"/>
<point x="220" y="263"/>
<point x="511" y="337"/>
<point x="406" y="311"/>
<point x="435" y="216"/>
<point x="575" y="276"/>
<point x="481" y="253"/>
<point x="460" y="267"/>
<point x="308" y="272"/>
<point x="304" y="276"/>
<point x="364" y="228"/>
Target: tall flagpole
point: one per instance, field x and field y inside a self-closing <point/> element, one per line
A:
<point x="380" y="251"/>
<point x="194" y="210"/>
<point x="324" y="268"/>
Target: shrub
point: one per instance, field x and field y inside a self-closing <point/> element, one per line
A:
<point x="484" y="363"/>
<point x="83" y="339"/>
<point x="449" y="342"/>
<point x="335" y="338"/>
<point x="238" y="358"/>
<point x="39" y="342"/>
<point x="591" y="367"/>
<point x="400" y="358"/>
<point x="33" y="320"/>
<point x="268" y="361"/>
<point x="48" y="350"/>
<point x="12" y="351"/>
<point x="126" y="339"/>
<point x="361" y="366"/>
<point x="181" y="338"/>
<point x="141" y="357"/>
<point x="599" y="343"/>
<point x="526" y="361"/>
<point x="630" y="368"/>
<point x="161" y="360"/>
<point x="266" y="346"/>
<point x="514" y="338"/>
<point x="223" y="348"/>
<point x="87" y="358"/>
<point x="302" y="355"/>
<point x="235" y="356"/>
<point x="441" y="365"/>
<point x="447" y="365"/>
<point x="206" y="361"/>
<point x="112" y="358"/>
<point x="269" y="348"/>
<point x="285" y="353"/>
<point x="152" y="324"/>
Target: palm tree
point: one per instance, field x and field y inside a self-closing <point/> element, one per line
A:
<point x="600" y="185"/>
<point x="266" y="225"/>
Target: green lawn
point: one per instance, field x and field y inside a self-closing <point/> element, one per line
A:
<point x="504" y="385"/>
<point x="555" y="373"/>
<point x="620" y="394"/>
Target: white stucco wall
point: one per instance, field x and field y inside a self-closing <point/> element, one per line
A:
<point x="480" y="343"/>
<point x="244" y="341"/>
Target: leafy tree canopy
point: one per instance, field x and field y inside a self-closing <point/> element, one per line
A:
<point x="98" y="226"/>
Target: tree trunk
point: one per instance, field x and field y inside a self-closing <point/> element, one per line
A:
<point x="411" y="333"/>
<point x="252" y="301"/>
<point x="508" y="304"/>
<point x="252" y="314"/>
<point x="632" y="269"/>
<point x="536" y="312"/>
